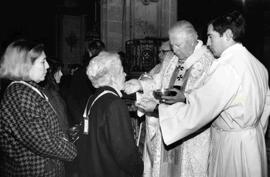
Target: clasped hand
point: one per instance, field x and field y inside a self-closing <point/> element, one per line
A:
<point x="74" y="132"/>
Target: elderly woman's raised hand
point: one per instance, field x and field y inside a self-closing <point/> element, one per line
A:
<point x="132" y="86"/>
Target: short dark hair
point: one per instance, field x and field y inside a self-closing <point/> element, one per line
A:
<point x="95" y="47"/>
<point x="233" y="21"/>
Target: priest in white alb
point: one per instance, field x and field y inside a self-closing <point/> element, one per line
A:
<point x="235" y="98"/>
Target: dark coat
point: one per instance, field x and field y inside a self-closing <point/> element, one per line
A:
<point x="79" y="90"/>
<point x="109" y="149"/>
<point x="59" y="105"/>
<point x="31" y="141"/>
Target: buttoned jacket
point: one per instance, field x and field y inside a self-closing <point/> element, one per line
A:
<point x="31" y="141"/>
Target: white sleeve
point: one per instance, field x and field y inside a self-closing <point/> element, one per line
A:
<point x="203" y="105"/>
<point x="266" y="112"/>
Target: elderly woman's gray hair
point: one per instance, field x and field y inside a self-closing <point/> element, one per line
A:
<point x="102" y="68"/>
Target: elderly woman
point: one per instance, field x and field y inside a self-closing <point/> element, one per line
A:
<point x="31" y="141"/>
<point x="108" y="146"/>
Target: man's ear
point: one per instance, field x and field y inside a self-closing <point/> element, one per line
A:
<point x="228" y="34"/>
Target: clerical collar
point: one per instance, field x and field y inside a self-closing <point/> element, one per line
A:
<point x="194" y="57"/>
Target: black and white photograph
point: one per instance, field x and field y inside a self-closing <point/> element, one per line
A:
<point x="135" y="88"/>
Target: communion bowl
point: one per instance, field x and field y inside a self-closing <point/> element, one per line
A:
<point x="163" y="92"/>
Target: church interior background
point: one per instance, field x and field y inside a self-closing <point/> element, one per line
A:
<point x="134" y="27"/>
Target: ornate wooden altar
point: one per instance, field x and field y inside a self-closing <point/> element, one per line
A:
<point x="141" y="55"/>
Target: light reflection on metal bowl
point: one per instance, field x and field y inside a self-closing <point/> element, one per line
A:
<point x="163" y="92"/>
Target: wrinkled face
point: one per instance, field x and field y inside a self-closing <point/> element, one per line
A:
<point x="181" y="44"/>
<point x="215" y="42"/>
<point x="57" y="76"/>
<point x="39" y="68"/>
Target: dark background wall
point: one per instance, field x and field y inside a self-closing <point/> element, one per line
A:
<point x="33" y="19"/>
<point x="37" y="19"/>
<point x="200" y="12"/>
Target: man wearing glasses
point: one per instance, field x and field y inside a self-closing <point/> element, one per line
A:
<point x="164" y="53"/>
